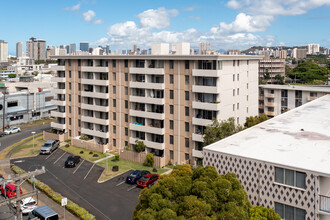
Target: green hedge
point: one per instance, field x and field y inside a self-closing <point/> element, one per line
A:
<point x="71" y="206"/>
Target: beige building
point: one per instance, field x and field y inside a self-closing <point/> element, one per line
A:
<point x="36" y="49"/>
<point x="299" y="53"/>
<point x="276" y="99"/>
<point x="19" y="49"/>
<point x="272" y="67"/>
<point x="3" y="51"/>
<point x="164" y="100"/>
<point x="282" y="163"/>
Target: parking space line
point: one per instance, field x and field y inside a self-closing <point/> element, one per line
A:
<point x="60" y="157"/>
<point x="78" y="167"/>
<point x="131" y="188"/>
<point x="51" y="154"/>
<point x="120" y="183"/>
<point x="89" y="171"/>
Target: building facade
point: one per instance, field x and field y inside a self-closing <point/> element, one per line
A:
<point x="3" y="51"/>
<point x="36" y="49"/>
<point x="19" y="49"/>
<point x="164" y="100"/>
<point x="313" y="49"/>
<point x="283" y="163"/>
<point x="84" y="46"/>
<point x="271" y="67"/>
<point x="276" y="99"/>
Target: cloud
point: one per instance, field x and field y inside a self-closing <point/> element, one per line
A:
<point x="196" y="18"/>
<point x="191" y="8"/>
<point x="98" y="21"/>
<point x="158" y="18"/>
<point x="88" y="15"/>
<point x="73" y="8"/>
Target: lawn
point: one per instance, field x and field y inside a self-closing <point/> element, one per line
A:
<point x="27" y="150"/>
<point x="86" y="155"/>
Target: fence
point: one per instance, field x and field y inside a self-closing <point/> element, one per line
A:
<point x="141" y="157"/>
<point x="89" y="145"/>
<point x="53" y="136"/>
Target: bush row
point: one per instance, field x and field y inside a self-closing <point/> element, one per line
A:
<point x="71" y="206"/>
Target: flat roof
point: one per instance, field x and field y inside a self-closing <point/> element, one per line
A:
<point x="299" y="138"/>
<point x="297" y="87"/>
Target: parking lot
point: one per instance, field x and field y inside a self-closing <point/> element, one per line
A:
<point x="113" y="199"/>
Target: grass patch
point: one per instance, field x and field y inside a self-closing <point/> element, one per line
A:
<point x="27" y="149"/>
<point x="124" y="166"/>
<point x="36" y="123"/>
<point x="86" y="155"/>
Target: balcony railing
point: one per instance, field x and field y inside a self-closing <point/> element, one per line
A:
<point x="325" y="204"/>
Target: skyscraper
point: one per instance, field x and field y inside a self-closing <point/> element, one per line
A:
<point x="19" y="49"/>
<point x="84" y="46"/>
<point x="72" y="48"/>
<point x="36" y="49"/>
<point x="3" y="51"/>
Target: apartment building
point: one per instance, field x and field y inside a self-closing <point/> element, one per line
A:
<point x="282" y="163"/>
<point x="313" y="49"/>
<point x="271" y="67"/>
<point x="36" y="49"/>
<point x="276" y="99"/>
<point x="164" y="100"/>
<point x="3" y="51"/>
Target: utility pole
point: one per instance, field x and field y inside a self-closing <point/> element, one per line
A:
<point x="4" y="92"/>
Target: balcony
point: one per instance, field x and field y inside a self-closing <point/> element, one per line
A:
<point x="95" y="120"/>
<point x="201" y="121"/>
<point x="324" y="204"/>
<point x="58" y="68"/>
<point x="95" y="107"/>
<point x="270" y="104"/>
<point x="268" y="113"/>
<point x="206" y="89"/>
<point x="95" y="133"/>
<point x="197" y="137"/>
<point x="99" y="69"/>
<point x="311" y="98"/>
<point x="206" y="106"/>
<point x="209" y="73"/>
<point x="146" y="85"/>
<point x="149" y="100"/>
<point x="150" y="71"/>
<point x="261" y="106"/>
<point x="145" y="114"/>
<point x="261" y="97"/>
<point x="150" y="144"/>
<point x="58" y="91"/>
<point x="57" y="114"/>
<point x="269" y="95"/>
<point x="96" y="82"/>
<point x="99" y="95"/>
<point x="147" y="129"/>
<point x="58" y="79"/>
<point x="197" y="153"/>
<point x="58" y="126"/>
<point x="57" y="102"/>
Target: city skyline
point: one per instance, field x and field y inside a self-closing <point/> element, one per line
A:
<point x="227" y="24"/>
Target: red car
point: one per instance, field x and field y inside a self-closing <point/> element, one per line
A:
<point x="10" y="190"/>
<point x="147" y="180"/>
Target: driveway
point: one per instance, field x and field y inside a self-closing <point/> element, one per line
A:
<point x="113" y="199"/>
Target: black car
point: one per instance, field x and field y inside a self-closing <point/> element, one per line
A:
<point x="72" y="161"/>
<point x="135" y="176"/>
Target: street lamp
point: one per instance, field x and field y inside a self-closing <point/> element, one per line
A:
<point x="33" y="132"/>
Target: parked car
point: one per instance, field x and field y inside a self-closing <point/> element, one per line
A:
<point x="27" y="205"/>
<point x="135" y="176"/>
<point x="49" y="146"/>
<point x="72" y="161"/>
<point x="43" y="212"/>
<point x="147" y="180"/>
<point x="9" y="190"/>
<point x="2" y="133"/>
<point x="12" y="130"/>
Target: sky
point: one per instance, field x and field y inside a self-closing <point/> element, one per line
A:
<point x="226" y="24"/>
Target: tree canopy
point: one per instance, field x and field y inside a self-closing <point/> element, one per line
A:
<point x="198" y="194"/>
<point x="308" y="72"/>
<point x="253" y="120"/>
<point x="139" y="146"/>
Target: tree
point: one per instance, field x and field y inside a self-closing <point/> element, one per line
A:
<point x="219" y="130"/>
<point x="253" y="120"/>
<point x="139" y="146"/>
<point x="198" y="194"/>
<point x="279" y="79"/>
<point x="12" y="75"/>
<point x="149" y="160"/>
<point x="308" y="72"/>
<point x="267" y="75"/>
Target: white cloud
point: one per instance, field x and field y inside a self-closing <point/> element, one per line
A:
<point x="157" y="18"/>
<point x="191" y="8"/>
<point x="73" y="8"/>
<point x="98" y="21"/>
<point x="88" y="15"/>
<point x="196" y="18"/>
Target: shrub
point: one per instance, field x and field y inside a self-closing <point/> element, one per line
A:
<point x="117" y="157"/>
<point x="149" y="160"/>
<point x="170" y="163"/>
<point x="67" y="141"/>
<point x="139" y="146"/>
<point x="95" y="155"/>
<point x="128" y="148"/>
<point x="81" y="152"/>
<point x="85" y="138"/>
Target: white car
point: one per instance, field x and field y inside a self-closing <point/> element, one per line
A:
<point x="12" y="130"/>
<point x="28" y="205"/>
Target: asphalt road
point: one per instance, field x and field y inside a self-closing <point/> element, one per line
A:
<point x="113" y="199"/>
<point x="11" y="139"/>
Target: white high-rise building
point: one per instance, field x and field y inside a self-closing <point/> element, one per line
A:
<point x="3" y="51"/>
<point x="19" y="49"/>
<point x="204" y="48"/>
<point x="313" y="48"/>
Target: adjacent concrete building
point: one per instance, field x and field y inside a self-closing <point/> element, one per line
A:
<point x="271" y="67"/>
<point x="36" y="49"/>
<point x="164" y="100"/>
<point x="282" y="163"/>
<point x="276" y="99"/>
<point x="3" y="51"/>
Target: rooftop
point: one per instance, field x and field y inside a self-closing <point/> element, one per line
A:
<point x="297" y="87"/>
<point x="299" y="138"/>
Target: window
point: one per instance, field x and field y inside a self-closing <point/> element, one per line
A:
<point x="237" y="106"/>
<point x="114" y="142"/>
<point x="69" y="121"/>
<point x="237" y="77"/>
<point x="289" y="212"/>
<point x="12" y="104"/>
<point x="79" y="99"/>
<point x="126" y="90"/>
<point x="186" y="64"/>
<point x="126" y="117"/>
<point x="186" y="156"/>
<point x="247" y="98"/>
<point x="69" y="97"/>
<point x="186" y="142"/>
<point x="114" y="129"/>
<point x="126" y="131"/>
<point x="171" y="139"/>
<point x="114" y="103"/>
<point x="79" y="74"/>
<point x="126" y="63"/>
<point x="187" y="111"/>
<point x="171" y="109"/>
<point x="233" y="62"/>
<point x="186" y="126"/>
<point x="69" y="86"/>
<point x="126" y="77"/>
<point x="186" y="95"/>
<point x="69" y="73"/>
<point x="171" y="79"/>
<point x="114" y="76"/>
<point x="233" y="77"/>
<point x="79" y="123"/>
<point x="114" y="117"/>
<point x="69" y="109"/>
<point x="247" y="109"/>
<point x="113" y="63"/>
<point x="290" y="177"/>
<point x="126" y="104"/>
<point x="69" y="61"/>
<point x="233" y="107"/>
<point x="237" y="120"/>
<point x="79" y="111"/>
<point x="238" y="91"/>
<point x="233" y="92"/>
<point x="79" y="62"/>
<point x="171" y="155"/>
<point x="171" y="124"/>
<point x="171" y="94"/>
<point x="247" y="85"/>
<point x="171" y="64"/>
<point x="186" y="80"/>
<point x="79" y="87"/>
<point x="237" y="62"/>
<point x="114" y="89"/>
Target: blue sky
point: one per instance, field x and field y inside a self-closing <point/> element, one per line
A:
<point x="226" y="24"/>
